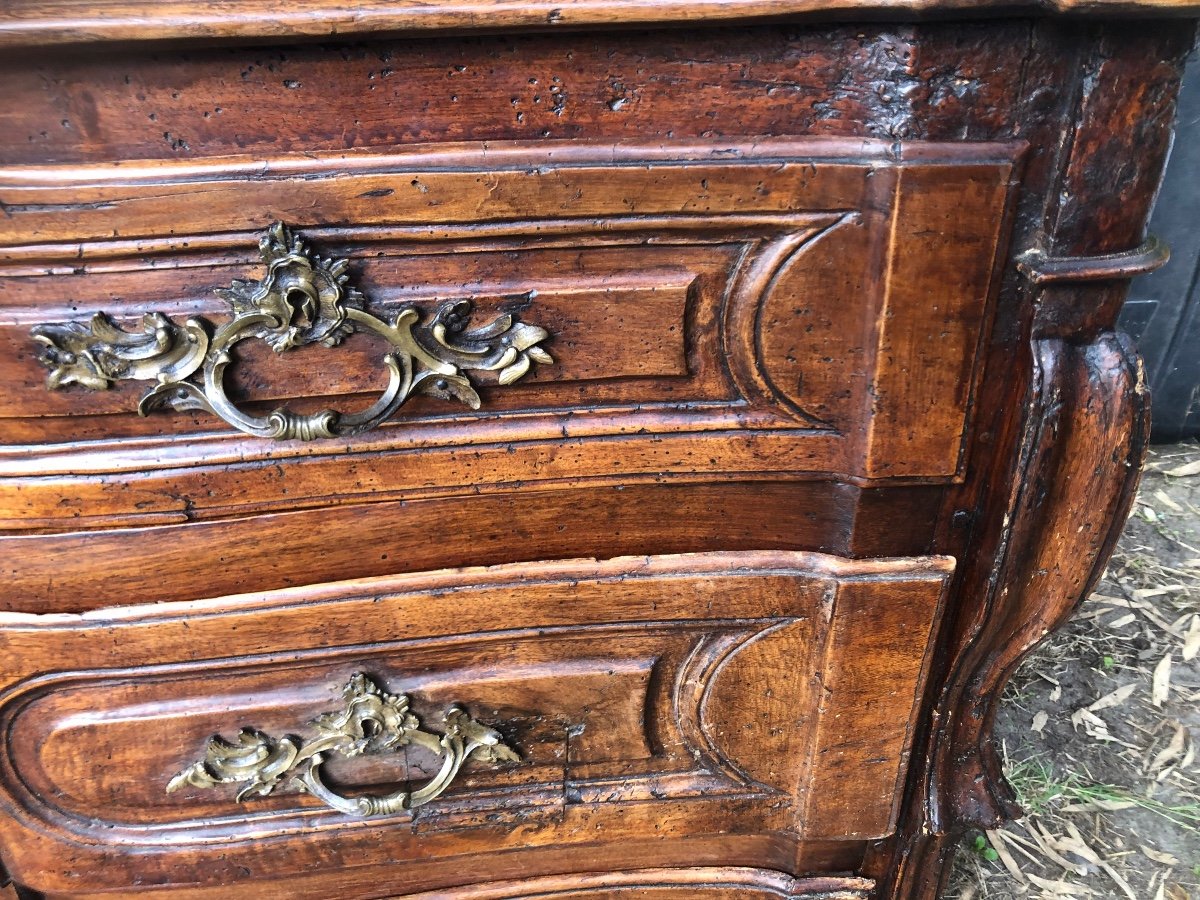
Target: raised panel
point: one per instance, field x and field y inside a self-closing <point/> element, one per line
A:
<point x="714" y="685"/>
<point x="793" y="307"/>
<point x="614" y="325"/>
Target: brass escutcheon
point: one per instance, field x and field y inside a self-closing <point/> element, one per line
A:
<point x="371" y="722"/>
<point x="303" y="299"/>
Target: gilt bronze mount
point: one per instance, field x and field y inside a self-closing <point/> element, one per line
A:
<point x="372" y="721"/>
<point x="302" y="299"/>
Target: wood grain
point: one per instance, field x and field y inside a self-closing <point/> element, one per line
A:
<point x="545" y="870"/>
<point x="787" y="265"/>
<point x="747" y="319"/>
<point x="1069" y="451"/>
<point x="703" y="884"/>
<point x="49" y="22"/>
<point x="676" y="679"/>
<point x="931" y="81"/>
<point x="60" y="573"/>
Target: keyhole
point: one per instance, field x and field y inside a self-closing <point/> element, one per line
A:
<point x="303" y="302"/>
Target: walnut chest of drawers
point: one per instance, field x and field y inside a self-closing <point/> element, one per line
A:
<point x="522" y="450"/>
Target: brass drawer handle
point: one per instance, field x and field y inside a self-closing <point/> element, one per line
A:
<point x="372" y="722"/>
<point x="303" y="299"/>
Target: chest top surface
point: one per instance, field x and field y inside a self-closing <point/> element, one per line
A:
<point x="49" y="22"/>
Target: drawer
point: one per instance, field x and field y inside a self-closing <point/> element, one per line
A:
<point x="701" y="709"/>
<point x="695" y="883"/>
<point x="677" y="311"/>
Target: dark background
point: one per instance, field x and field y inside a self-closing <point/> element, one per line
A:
<point x="1163" y="310"/>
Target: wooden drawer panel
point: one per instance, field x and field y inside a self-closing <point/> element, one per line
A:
<point x="86" y="570"/>
<point x="723" y="687"/>
<point x="793" y="307"/>
<point x="693" y="883"/>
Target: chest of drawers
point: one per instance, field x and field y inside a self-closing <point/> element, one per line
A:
<point x="570" y="451"/>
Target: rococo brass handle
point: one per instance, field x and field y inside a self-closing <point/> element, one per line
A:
<point x="303" y="299"/>
<point x="372" y="722"/>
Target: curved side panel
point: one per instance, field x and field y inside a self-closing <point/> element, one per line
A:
<point x="1082" y="461"/>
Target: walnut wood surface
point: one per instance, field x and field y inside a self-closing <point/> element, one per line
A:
<point x="731" y="882"/>
<point x="701" y="883"/>
<point x="935" y="81"/>
<point x="49" y="22"/>
<point x="678" y="679"/>
<point x="780" y="265"/>
<point x="63" y="572"/>
<point x="1074" y="444"/>
<point x="725" y="300"/>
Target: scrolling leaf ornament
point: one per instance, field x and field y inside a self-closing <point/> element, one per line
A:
<point x="303" y="299"/>
<point x="372" y="721"/>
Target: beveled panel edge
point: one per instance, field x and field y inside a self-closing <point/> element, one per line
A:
<point x="772" y="882"/>
<point x="711" y="563"/>
<point x="461" y="158"/>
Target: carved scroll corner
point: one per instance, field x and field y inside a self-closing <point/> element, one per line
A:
<point x="1081" y="461"/>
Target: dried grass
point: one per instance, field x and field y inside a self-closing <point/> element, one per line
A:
<point x="1099" y="726"/>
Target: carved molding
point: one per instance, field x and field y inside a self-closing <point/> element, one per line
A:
<point x="705" y="718"/>
<point x="303" y="299"/>
<point x="692" y="883"/>
<point x="693" y="684"/>
<point x="1081" y="461"/>
<point x="751" y="293"/>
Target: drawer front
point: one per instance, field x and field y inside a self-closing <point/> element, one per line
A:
<point x="692" y="883"/>
<point x="747" y="700"/>
<point x="790" y="307"/>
